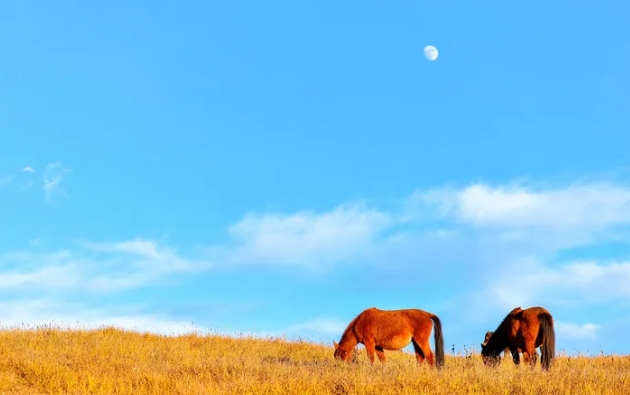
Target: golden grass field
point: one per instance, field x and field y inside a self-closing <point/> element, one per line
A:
<point x="109" y="361"/>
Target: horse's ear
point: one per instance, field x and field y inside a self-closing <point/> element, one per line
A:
<point x="335" y="344"/>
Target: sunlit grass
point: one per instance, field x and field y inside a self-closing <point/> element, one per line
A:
<point x="108" y="361"/>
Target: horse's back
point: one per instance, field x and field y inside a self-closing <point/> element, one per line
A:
<point x="393" y="320"/>
<point x="413" y="314"/>
<point x="533" y="314"/>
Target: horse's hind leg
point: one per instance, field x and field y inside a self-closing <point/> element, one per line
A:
<point x="529" y="353"/>
<point x="423" y="350"/>
<point x="534" y="357"/>
<point x="418" y="350"/>
<point x="515" y="355"/>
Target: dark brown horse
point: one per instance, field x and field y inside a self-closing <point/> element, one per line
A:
<point x="380" y="330"/>
<point x="507" y="351"/>
<point x="522" y="330"/>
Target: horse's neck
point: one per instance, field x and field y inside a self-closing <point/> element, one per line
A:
<point x="348" y="340"/>
<point x="498" y="341"/>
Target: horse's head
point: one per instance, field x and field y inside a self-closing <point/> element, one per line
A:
<point x="490" y="358"/>
<point x="488" y="354"/>
<point x="340" y="353"/>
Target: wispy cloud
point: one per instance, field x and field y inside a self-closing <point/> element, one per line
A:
<point x="577" y="331"/>
<point x="28" y="169"/>
<point x="508" y="216"/>
<point x="576" y="210"/>
<point x="150" y="256"/>
<point x="52" y="179"/>
<point x="579" y="283"/>
<point x="70" y="287"/>
<point x="308" y="239"/>
<point x="95" y="268"/>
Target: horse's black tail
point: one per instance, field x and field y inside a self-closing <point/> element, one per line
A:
<point x="548" y="347"/>
<point x="439" y="341"/>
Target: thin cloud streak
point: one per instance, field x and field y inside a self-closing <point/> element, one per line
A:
<point x="319" y="326"/>
<point x="41" y="312"/>
<point x="53" y="176"/>
<point x="589" y="207"/>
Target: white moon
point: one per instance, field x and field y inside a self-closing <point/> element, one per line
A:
<point x="430" y="52"/>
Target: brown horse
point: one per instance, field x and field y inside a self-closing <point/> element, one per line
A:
<point x="507" y="351"/>
<point x="522" y="330"/>
<point x="381" y="330"/>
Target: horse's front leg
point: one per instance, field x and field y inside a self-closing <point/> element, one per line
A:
<point x="515" y="355"/>
<point x="380" y="353"/>
<point x="370" y="349"/>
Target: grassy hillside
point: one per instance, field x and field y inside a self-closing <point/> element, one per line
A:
<point x="108" y="361"/>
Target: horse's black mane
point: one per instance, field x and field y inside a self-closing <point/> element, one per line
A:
<point x="499" y="339"/>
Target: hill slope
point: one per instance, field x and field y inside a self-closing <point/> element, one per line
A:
<point x="110" y="361"/>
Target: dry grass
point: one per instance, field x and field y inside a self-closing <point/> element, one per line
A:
<point x="108" y="361"/>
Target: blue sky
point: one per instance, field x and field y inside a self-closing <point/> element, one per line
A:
<point x="275" y="167"/>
